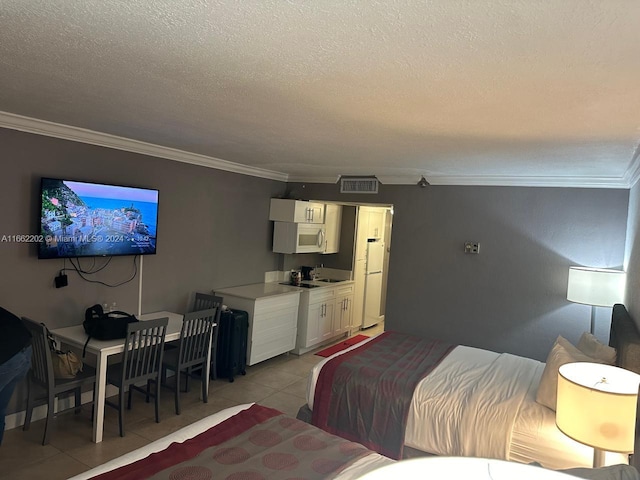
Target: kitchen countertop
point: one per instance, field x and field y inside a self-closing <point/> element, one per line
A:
<point x="261" y="290"/>
<point x="258" y="290"/>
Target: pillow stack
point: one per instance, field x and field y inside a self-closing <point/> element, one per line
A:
<point x="591" y="346"/>
<point x="589" y="349"/>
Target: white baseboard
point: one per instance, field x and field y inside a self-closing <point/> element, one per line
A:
<point x="15" y="420"/>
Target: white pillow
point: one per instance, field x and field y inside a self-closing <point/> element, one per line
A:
<point x="590" y="345"/>
<point x="562" y="352"/>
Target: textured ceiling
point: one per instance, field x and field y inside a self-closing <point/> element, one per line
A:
<point x="510" y="91"/>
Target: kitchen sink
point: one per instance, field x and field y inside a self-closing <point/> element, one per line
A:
<point x="303" y="285"/>
<point x="329" y="280"/>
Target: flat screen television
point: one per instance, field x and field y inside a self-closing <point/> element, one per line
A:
<point x="81" y="219"/>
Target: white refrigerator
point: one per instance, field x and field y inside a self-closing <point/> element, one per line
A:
<point x="373" y="283"/>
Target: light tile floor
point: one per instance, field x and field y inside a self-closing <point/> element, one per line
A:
<point x="278" y="383"/>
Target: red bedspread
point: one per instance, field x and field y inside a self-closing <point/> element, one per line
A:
<point x="364" y="394"/>
<point x="257" y="443"/>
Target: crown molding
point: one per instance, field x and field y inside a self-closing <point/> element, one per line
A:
<point x="312" y="179"/>
<point x="532" y="181"/>
<point x="494" y="181"/>
<point x="76" y="134"/>
<point x="632" y="175"/>
<point x="91" y="137"/>
<point x="383" y="179"/>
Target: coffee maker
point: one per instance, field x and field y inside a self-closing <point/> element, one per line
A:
<point x="307" y="273"/>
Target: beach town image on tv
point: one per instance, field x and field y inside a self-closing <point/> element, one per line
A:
<point x="72" y="225"/>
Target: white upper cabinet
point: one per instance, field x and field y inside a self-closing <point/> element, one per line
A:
<point x="332" y="223"/>
<point x="296" y="211"/>
<point x="372" y="221"/>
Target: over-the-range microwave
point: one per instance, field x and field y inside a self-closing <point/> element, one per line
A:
<point x="291" y="237"/>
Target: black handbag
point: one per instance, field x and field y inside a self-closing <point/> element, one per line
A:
<point x="105" y="326"/>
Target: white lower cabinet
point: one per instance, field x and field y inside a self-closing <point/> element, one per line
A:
<point x="324" y="314"/>
<point x="272" y="324"/>
<point x="344" y="310"/>
<point x="327" y="320"/>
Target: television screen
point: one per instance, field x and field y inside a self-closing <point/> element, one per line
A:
<point x="80" y="219"/>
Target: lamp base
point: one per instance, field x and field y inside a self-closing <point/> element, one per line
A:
<point x="593" y="319"/>
<point x="598" y="458"/>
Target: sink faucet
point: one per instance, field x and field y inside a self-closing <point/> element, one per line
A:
<point x="316" y="272"/>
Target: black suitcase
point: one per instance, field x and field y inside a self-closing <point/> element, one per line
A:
<point x="231" y="356"/>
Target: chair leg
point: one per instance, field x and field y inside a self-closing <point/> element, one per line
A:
<point x="187" y="377"/>
<point x="29" y="412"/>
<point x="93" y="402"/>
<point x="177" y="391"/>
<point x="121" y="408"/>
<point x="49" y="421"/>
<point x="129" y="398"/>
<point x="78" y="400"/>
<point x="157" y="400"/>
<point x="214" y="349"/>
<point x="148" y="394"/>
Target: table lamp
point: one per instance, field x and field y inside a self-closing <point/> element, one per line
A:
<point x="596" y="406"/>
<point x="597" y="287"/>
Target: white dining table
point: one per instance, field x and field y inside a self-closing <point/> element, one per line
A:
<point x="76" y="336"/>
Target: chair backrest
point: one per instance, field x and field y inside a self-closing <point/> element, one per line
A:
<point x="196" y="336"/>
<point x="41" y="363"/>
<point x="143" y="350"/>
<point x="205" y="301"/>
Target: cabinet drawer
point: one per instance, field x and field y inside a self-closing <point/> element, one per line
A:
<point x="276" y="303"/>
<point x="321" y="294"/>
<point x="271" y="347"/>
<point x="264" y="322"/>
<point x="273" y="334"/>
<point x="344" y="290"/>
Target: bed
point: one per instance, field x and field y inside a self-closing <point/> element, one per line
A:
<point x="268" y="447"/>
<point x="164" y="458"/>
<point x="474" y="402"/>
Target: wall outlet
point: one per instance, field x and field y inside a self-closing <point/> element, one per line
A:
<point x="471" y="247"/>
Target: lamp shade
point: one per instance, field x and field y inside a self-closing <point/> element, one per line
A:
<point x="596" y="405"/>
<point x="596" y="286"/>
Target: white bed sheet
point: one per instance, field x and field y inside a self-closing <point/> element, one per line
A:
<point x="438" y="404"/>
<point x="359" y="468"/>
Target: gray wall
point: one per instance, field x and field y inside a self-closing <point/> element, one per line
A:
<point x="632" y="255"/>
<point x="512" y="296"/>
<point x="213" y="230"/>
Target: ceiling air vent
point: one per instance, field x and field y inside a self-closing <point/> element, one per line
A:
<point x="358" y="185"/>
